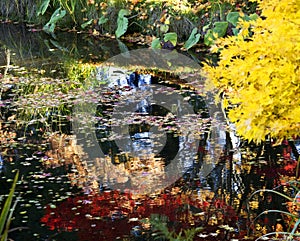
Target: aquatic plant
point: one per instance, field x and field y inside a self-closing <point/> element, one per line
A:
<point x="39" y="99"/>
<point x="291" y="215"/>
<point x="6" y="215"/>
<point x="161" y="230"/>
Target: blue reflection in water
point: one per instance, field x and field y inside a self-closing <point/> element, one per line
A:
<point x="1" y="163"/>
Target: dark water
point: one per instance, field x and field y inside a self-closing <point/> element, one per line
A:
<point x="41" y="187"/>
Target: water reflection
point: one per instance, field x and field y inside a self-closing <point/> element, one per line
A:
<point x="134" y="128"/>
<point x="54" y="175"/>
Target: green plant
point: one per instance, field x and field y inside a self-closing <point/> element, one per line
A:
<point x="39" y="99"/>
<point x="7" y="211"/>
<point x="235" y="17"/>
<point x="218" y="31"/>
<point x="159" y="226"/>
<point x="56" y="16"/>
<point x="122" y="22"/>
<point x="220" y="28"/>
<point x="79" y="12"/>
<point x="70" y="7"/>
<point x="192" y="40"/>
<point x="171" y="37"/>
<point x="291" y="233"/>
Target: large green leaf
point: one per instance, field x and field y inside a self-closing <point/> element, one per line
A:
<point x="235" y="31"/>
<point x="217" y="32"/>
<point x="155" y="44"/>
<point x="220" y="28"/>
<point x="233" y="18"/>
<point x="122" y="13"/>
<point x="193" y="39"/>
<point x="122" y="23"/>
<point x="172" y="37"/>
<point x="56" y="16"/>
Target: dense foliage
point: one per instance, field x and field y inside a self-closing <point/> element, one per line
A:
<point x="188" y="19"/>
<point x="259" y="72"/>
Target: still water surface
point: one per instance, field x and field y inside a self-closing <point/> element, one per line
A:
<point x="59" y="198"/>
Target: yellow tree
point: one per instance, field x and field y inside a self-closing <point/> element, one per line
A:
<point x="260" y="73"/>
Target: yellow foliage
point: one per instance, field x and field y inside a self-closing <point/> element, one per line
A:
<point x="260" y="75"/>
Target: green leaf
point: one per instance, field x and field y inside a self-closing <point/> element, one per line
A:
<point x="102" y="20"/>
<point x="253" y="17"/>
<point x="192" y="40"/>
<point x="233" y="18"/>
<point x="209" y="38"/>
<point x="122" y="23"/>
<point x="56" y="16"/>
<point x="218" y="31"/>
<point x="206" y="27"/>
<point x="235" y="31"/>
<point x="122" y="13"/>
<point x="43" y="7"/>
<point x="164" y="28"/>
<point x="220" y="28"/>
<point x="86" y="23"/>
<point x="9" y="219"/>
<point x="156" y="44"/>
<point x="172" y="37"/>
<point x="7" y="205"/>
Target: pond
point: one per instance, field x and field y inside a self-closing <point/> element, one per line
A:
<point x="97" y="155"/>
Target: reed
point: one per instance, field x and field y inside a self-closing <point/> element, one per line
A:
<point x="8" y="210"/>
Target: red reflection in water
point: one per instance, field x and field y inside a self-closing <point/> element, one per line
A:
<point x="112" y="214"/>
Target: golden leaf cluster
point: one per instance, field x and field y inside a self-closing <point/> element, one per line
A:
<point x="259" y="73"/>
